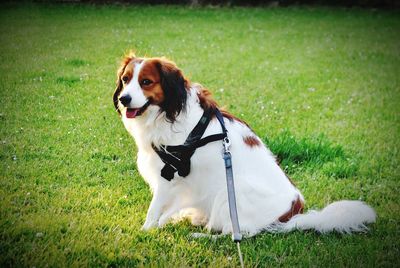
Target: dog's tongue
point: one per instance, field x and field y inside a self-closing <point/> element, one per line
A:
<point x="131" y="113"/>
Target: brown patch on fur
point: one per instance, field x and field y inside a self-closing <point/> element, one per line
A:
<point x="127" y="73"/>
<point x="297" y="208"/>
<point x="128" y="69"/>
<point x="251" y="141"/>
<point x="153" y="91"/>
<point x="206" y="100"/>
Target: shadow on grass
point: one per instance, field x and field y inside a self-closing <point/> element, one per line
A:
<point x="312" y="153"/>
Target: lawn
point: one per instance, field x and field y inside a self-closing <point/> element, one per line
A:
<point x="320" y="86"/>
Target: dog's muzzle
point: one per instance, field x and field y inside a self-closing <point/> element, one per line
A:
<point x="133" y="112"/>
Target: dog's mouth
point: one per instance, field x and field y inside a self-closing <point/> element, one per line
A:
<point x="134" y="112"/>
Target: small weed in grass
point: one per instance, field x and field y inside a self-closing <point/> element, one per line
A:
<point x="77" y="62"/>
<point x="340" y="168"/>
<point x="69" y="81"/>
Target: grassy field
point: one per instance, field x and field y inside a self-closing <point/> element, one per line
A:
<point x="321" y="86"/>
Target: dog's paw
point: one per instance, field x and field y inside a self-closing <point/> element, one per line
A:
<point x="149" y="224"/>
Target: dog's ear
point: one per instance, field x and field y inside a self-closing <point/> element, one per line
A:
<point x="174" y="86"/>
<point x="117" y="91"/>
<point x="119" y="85"/>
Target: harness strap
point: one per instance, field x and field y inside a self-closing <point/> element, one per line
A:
<point x="199" y="143"/>
<point x="220" y="118"/>
<point x="199" y="129"/>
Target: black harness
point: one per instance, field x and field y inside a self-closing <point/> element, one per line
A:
<point x="177" y="158"/>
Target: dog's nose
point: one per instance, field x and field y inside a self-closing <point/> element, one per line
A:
<point x="125" y="99"/>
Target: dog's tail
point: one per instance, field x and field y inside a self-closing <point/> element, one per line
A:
<point x="342" y="216"/>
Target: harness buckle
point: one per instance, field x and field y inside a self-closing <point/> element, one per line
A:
<point x="227" y="144"/>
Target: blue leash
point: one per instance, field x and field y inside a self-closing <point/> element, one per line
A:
<point x="227" y="156"/>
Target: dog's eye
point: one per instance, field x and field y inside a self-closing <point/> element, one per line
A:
<point x="146" y="82"/>
<point x="125" y="79"/>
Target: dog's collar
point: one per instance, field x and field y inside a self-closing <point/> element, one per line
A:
<point x="177" y="157"/>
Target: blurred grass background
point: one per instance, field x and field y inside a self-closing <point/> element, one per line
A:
<point x="319" y="85"/>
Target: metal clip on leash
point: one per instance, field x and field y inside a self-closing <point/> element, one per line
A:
<point x="236" y="235"/>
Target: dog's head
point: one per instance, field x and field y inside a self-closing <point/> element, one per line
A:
<point x="143" y="82"/>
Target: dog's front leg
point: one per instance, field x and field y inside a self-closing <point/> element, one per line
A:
<point x="155" y="209"/>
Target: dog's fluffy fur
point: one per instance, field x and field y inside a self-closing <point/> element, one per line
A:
<point x="266" y="198"/>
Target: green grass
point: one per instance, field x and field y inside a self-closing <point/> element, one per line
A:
<point x="311" y="153"/>
<point x="320" y="85"/>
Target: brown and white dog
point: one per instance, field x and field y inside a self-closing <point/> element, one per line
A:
<point x="158" y="105"/>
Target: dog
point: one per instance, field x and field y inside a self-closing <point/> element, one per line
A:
<point x="159" y="106"/>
